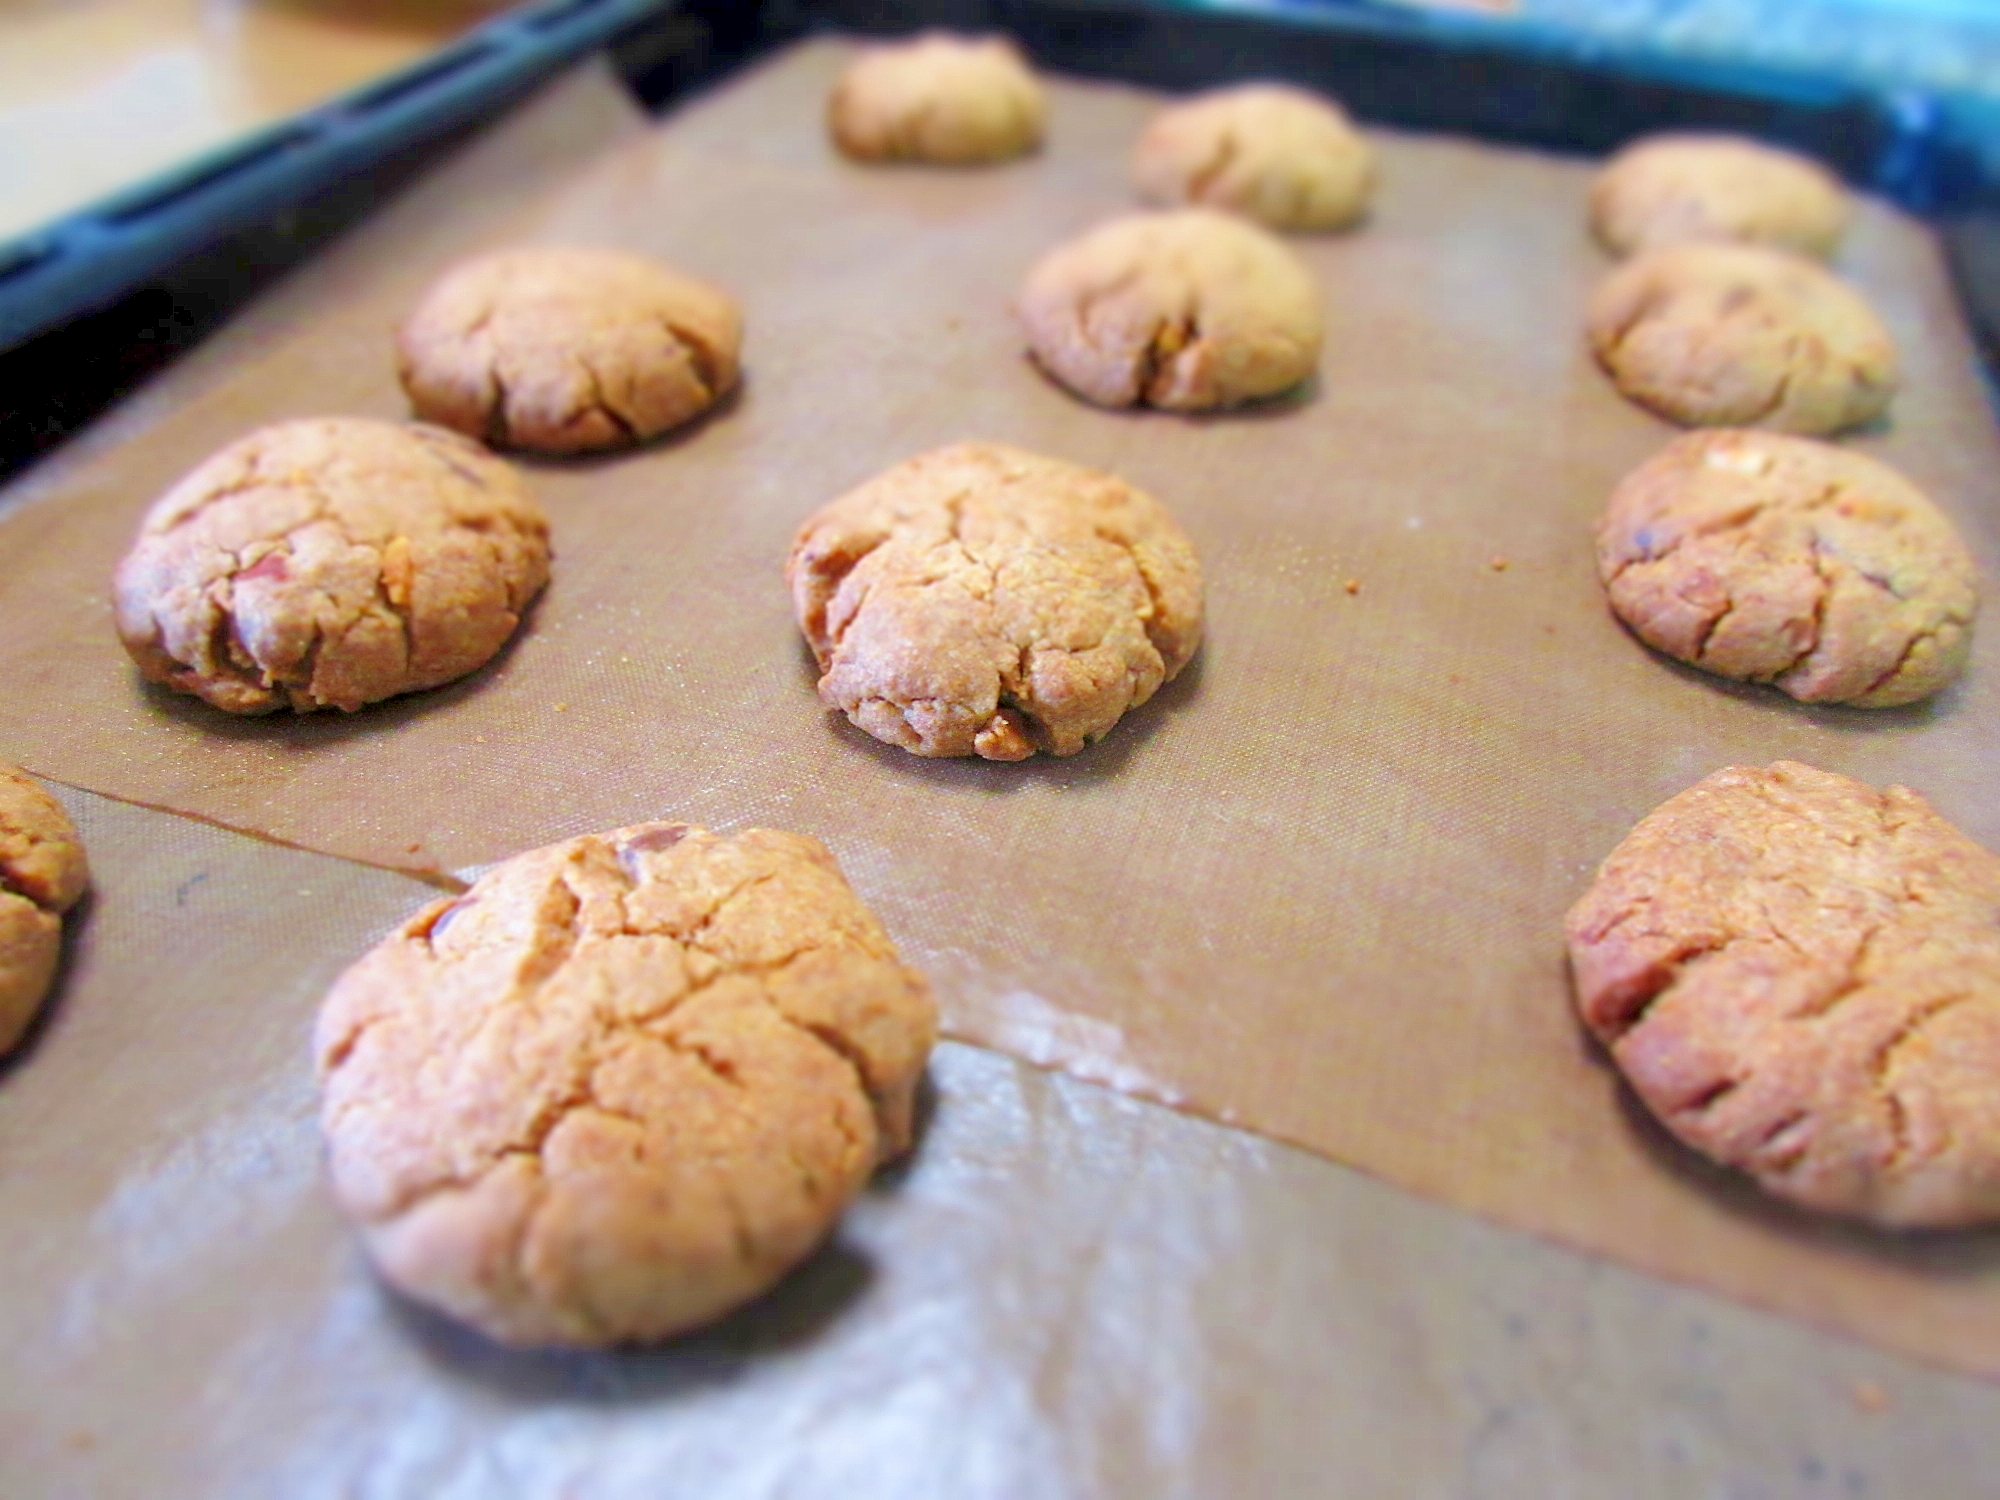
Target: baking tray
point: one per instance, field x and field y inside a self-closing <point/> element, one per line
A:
<point x="1316" y="886"/>
<point x="1068" y="1294"/>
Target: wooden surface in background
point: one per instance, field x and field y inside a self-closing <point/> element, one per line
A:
<point x="96" y="95"/>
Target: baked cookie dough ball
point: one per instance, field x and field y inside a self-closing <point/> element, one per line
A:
<point x="1742" y="336"/>
<point x="982" y="600"/>
<point x="1800" y="977"/>
<point x="564" y="350"/>
<point x="953" y="101"/>
<point x="1793" y="562"/>
<point x="1671" y="189"/>
<point x="1188" y="310"/>
<point x="620" y="1086"/>
<point x="42" y="875"/>
<point x="1280" y="155"/>
<point x="329" y="563"/>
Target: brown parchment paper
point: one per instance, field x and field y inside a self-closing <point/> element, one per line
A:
<point x="1315" y="887"/>
<point x="1065" y="1294"/>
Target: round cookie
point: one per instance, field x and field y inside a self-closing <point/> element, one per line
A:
<point x="42" y="875"/>
<point x="1283" y="156"/>
<point x="622" y="1084"/>
<point x="1672" y="189"/>
<point x="952" y="101"/>
<point x="564" y="350"/>
<point x="1793" y="562"/>
<point x="328" y="563"/>
<point x="1189" y="310"/>
<point x="982" y="600"/>
<point x="1800" y="977"/>
<point x="1742" y="336"/>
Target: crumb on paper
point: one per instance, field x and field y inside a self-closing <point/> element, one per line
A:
<point x="412" y="848"/>
<point x="562" y="708"/>
<point x="1869" y="1396"/>
<point x="1497" y="563"/>
<point x="1353" y="585"/>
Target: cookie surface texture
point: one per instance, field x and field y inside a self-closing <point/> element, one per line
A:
<point x="983" y="600"/>
<point x="1673" y="189"/>
<point x="953" y="101"/>
<point x="1742" y="336"/>
<point x="42" y="874"/>
<point x="1800" y="976"/>
<point x="622" y="1084"/>
<point x="330" y="563"/>
<point x="1790" y="561"/>
<point x="563" y="350"/>
<point x="1188" y="310"/>
<point x="1285" y="157"/>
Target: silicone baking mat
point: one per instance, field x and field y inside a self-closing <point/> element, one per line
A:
<point x="1315" y="887"/>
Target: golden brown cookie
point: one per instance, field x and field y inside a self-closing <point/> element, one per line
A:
<point x="1800" y="976"/>
<point x="953" y="101"/>
<point x="1188" y="310"/>
<point x="42" y="874"/>
<point x="621" y="1085"/>
<point x="1793" y="562"/>
<point x="1284" y="156"/>
<point x="982" y="600"/>
<point x="328" y="563"/>
<point x="564" y="350"/>
<point x="1742" y="336"/>
<point x="1673" y="189"/>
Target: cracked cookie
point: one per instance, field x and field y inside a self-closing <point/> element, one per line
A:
<point x="1672" y="189"/>
<point x="948" y="100"/>
<point x="329" y="563"/>
<point x="622" y="1084"/>
<point x="42" y="875"/>
<point x="1187" y="310"/>
<point x="1288" y="158"/>
<point x="1742" y="336"/>
<point x="1800" y="977"/>
<point x="983" y="600"/>
<point x="563" y="350"/>
<point x="1793" y="562"/>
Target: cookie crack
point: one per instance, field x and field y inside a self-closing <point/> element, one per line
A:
<point x="1884" y="1061"/>
<point x="1655" y="301"/>
<point x="435" y="447"/>
<point x="598" y="402"/>
<point x="701" y="356"/>
<point x="499" y="423"/>
<point x="1917" y="639"/>
<point x="1153" y="621"/>
<point x="12" y="882"/>
<point x="1224" y="157"/>
<point x="1713" y="625"/>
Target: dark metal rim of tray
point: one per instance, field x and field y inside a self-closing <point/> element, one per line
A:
<point x="1494" y="77"/>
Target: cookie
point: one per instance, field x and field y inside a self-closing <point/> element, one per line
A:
<point x="1800" y="977"/>
<point x="1793" y="562"/>
<point x="563" y="350"/>
<point x="982" y="600"/>
<point x="953" y="101"/>
<point x="1188" y="310"/>
<point x="1285" y="157"/>
<point x="622" y="1084"/>
<point x="1742" y="336"/>
<point x="42" y="875"/>
<point x="328" y="563"/>
<point x="1672" y="189"/>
